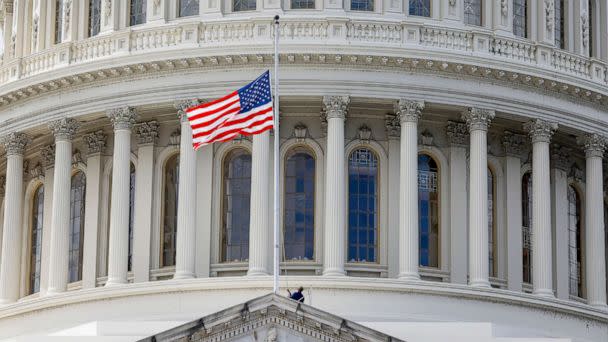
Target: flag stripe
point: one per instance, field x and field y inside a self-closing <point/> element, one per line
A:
<point x="198" y="114"/>
<point x="211" y="103"/>
<point x="250" y="121"/>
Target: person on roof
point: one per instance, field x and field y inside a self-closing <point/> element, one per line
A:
<point x="297" y="295"/>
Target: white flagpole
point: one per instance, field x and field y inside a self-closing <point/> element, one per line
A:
<point x="276" y="157"/>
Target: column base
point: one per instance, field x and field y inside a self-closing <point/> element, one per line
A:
<point x="334" y="272"/>
<point x="483" y="283"/>
<point x="115" y="282"/>
<point x="409" y="276"/>
<point x="257" y="272"/>
<point x="183" y="275"/>
<point x="545" y="293"/>
<point x="599" y="306"/>
<point x="53" y="292"/>
<point x="6" y="301"/>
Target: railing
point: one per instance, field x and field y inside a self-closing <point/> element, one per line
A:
<point x="332" y="33"/>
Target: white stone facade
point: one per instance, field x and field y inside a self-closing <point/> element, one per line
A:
<point x="479" y="100"/>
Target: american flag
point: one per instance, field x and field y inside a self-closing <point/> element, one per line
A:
<point x="246" y="111"/>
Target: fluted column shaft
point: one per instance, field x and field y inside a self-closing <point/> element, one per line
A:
<point x="63" y="129"/>
<point x="594" y="215"/>
<point x="542" y="260"/>
<point x="13" y="208"/>
<point x="185" y="247"/>
<point x="478" y="121"/>
<point x="335" y="201"/>
<point x="408" y="112"/>
<point x="118" y="249"/>
<point x="260" y="213"/>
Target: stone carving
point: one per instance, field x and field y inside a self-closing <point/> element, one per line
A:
<point x="560" y="157"/>
<point x="577" y="173"/>
<point x="504" y="7"/>
<point x="478" y="118"/>
<point x="585" y="29"/>
<point x="514" y="144"/>
<point x="336" y="106"/>
<point x="8" y="7"/>
<point x="13" y="42"/>
<point x="452" y="3"/>
<point x="540" y="130"/>
<point x="47" y="154"/>
<point x="108" y="9"/>
<point x="35" y="30"/>
<point x="300" y="131"/>
<point x="458" y="133"/>
<point x="426" y="138"/>
<point x="37" y="171"/>
<point x="182" y="105"/>
<point x="122" y="117"/>
<point x="272" y="335"/>
<point x="550" y="15"/>
<point x="147" y="132"/>
<point x="594" y="145"/>
<point x="15" y="142"/>
<point x="409" y="111"/>
<point x="77" y="157"/>
<point x="96" y="142"/>
<point x="365" y="133"/>
<point x="156" y="5"/>
<point x="393" y="127"/>
<point x="64" y="129"/>
<point x="67" y="9"/>
<point x="175" y="137"/>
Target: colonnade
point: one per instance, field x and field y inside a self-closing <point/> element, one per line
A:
<point x="335" y="113"/>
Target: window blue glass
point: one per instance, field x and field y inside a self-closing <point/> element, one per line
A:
<point x="299" y="216"/>
<point x="235" y="205"/>
<point x="36" y="240"/>
<point x="421" y="8"/>
<point x="131" y="214"/>
<point x="171" y="184"/>
<point x="526" y="230"/>
<point x="560" y="30"/>
<point x="94" y="17"/>
<point x="362" y="5"/>
<point x="188" y="7"/>
<point x="520" y="18"/>
<point x="428" y="210"/>
<point x="362" y="206"/>
<point x="137" y="12"/>
<point x="77" y="196"/>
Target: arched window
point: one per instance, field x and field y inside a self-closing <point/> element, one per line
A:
<point x="235" y="205"/>
<point x="36" y="240"/>
<point x="560" y="23"/>
<point x="243" y="5"/>
<point x="575" y="265"/>
<point x="472" y="12"/>
<point x="302" y="4"/>
<point x="131" y="214"/>
<point x="188" y="8"/>
<point x="94" y="17"/>
<point x="77" y="194"/>
<point x="171" y="186"/>
<point x="299" y="227"/>
<point x="58" y="21"/>
<point x="362" y="5"/>
<point x="491" y="224"/>
<point x="520" y="18"/>
<point x="421" y="8"/>
<point x="428" y="210"/>
<point x="137" y="12"/>
<point x="363" y="206"/>
<point x="526" y="229"/>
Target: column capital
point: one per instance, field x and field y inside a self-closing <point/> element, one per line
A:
<point x="47" y="154"/>
<point x="147" y="132"/>
<point x="182" y="105"/>
<point x="64" y="128"/>
<point x="122" y="117"/>
<point x="8" y="7"/>
<point x="560" y="157"/>
<point x="96" y="142"/>
<point x="514" y="144"/>
<point x="336" y="106"/>
<point x="594" y="144"/>
<point x="478" y="119"/>
<point x="393" y="127"/>
<point x="457" y="133"/>
<point x="408" y="110"/>
<point x="540" y="130"/>
<point x="15" y="142"/>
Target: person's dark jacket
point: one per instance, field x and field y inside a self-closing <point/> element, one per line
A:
<point x="297" y="296"/>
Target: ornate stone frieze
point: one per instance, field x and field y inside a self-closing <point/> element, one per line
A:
<point x="540" y="130"/>
<point x="122" y="117"/>
<point x="393" y="126"/>
<point x="300" y="132"/>
<point x="514" y="144"/>
<point x="594" y="144"/>
<point x="365" y="133"/>
<point x="561" y="157"/>
<point x="64" y="128"/>
<point x="336" y="106"/>
<point x="47" y="155"/>
<point x="96" y="142"/>
<point x="408" y="110"/>
<point x="458" y="133"/>
<point x="147" y="132"/>
<point x="182" y="105"/>
<point x="478" y="118"/>
<point x="15" y="142"/>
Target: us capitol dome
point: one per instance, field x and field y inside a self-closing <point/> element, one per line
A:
<point x="442" y="171"/>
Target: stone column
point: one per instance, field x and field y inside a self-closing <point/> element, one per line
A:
<point x="478" y="121"/>
<point x="545" y="28"/>
<point x="147" y="134"/>
<point x="64" y="130"/>
<point x="109" y="16"/>
<point x="458" y="136"/>
<point x="408" y="112"/>
<point x="70" y="20"/>
<point x="560" y="165"/>
<point x="96" y="144"/>
<point x="595" y="145"/>
<point x="503" y="16"/>
<point x="514" y="146"/>
<point x="185" y="248"/>
<point x="260" y="223"/>
<point x="118" y="250"/>
<point x="14" y="144"/>
<point x="542" y="276"/>
<point x="393" y="130"/>
<point x="336" y="108"/>
<point x="7" y="30"/>
<point x="47" y="154"/>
